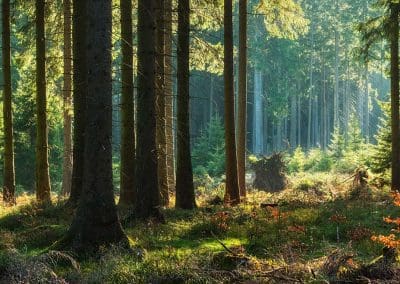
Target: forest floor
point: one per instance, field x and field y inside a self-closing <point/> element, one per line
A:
<point x="285" y="237"/>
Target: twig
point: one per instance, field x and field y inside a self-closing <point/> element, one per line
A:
<point x="222" y="244"/>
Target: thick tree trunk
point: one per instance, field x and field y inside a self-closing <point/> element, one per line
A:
<point x="127" y="172"/>
<point x="169" y="98"/>
<point x="293" y="121"/>
<point x="185" y="197"/>
<point x="161" y="109"/>
<point x="232" y="193"/>
<point x="67" y="100"/>
<point x="394" y="94"/>
<point x="42" y="148"/>
<point x="9" y="169"/>
<point x="79" y="95"/>
<point x="242" y="93"/>
<point x="147" y="200"/>
<point x="96" y="221"/>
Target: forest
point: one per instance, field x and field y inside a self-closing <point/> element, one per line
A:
<point x="200" y="141"/>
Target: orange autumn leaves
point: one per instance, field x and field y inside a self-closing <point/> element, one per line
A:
<point x="391" y="240"/>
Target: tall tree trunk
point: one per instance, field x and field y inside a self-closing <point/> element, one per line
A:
<point x="394" y="94"/>
<point x="42" y="147"/>
<point x="293" y="120"/>
<point x="67" y="100"/>
<point x="336" y="123"/>
<point x="79" y="95"/>
<point x="242" y="93"/>
<point x="96" y="221"/>
<point x="258" y="133"/>
<point x="169" y="97"/>
<point x="127" y="173"/>
<point x="147" y="200"/>
<point x="232" y="193"/>
<point x="366" y="103"/>
<point x="9" y="169"/>
<point x="161" y="111"/>
<point x="185" y="197"/>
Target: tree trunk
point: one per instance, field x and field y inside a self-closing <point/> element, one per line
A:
<point x="161" y="111"/>
<point x="67" y="100"/>
<point x="127" y="171"/>
<point x="232" y="193"/>
<point x="147" y="201"/>
<point x="169" y="97"/>
<point x="9" y="169"/>
<point x="242" y="93"/>
<point x="293" y="124"/>
<point x="258" y="133"/>
<point x="336" y="93"/>
<point x="96" y="221"/>
<point x="79" y="96"/>
<point x="394" y="94"/>
<point x="42" y="148"/>
<point x="185" y="197"/>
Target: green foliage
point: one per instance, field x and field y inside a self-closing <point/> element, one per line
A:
<point x="380" y="157"/>
<point x="296" y="161"/>
<point x="208" y="155"/>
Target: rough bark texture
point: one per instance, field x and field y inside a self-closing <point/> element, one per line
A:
<point x="96" y="221"/>
<point x="242" y="106"/>
<point x="9" y="169"/>
<point x="147" y="201"/>
<point x="394" y="94"/>
<point x="270" y="173"/>
<point x="185" y="197"/>
<point x="42" y="147"/>
<point x="161" y="110"/>
<point x="232" y="194"/>
<point x="79" y="96"/>
<point x="127" y="173"/>
<point x="169" y="105"/>
<point x="67" y="100"/>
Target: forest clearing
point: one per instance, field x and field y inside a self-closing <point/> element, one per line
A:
<point x="191" y="141"/>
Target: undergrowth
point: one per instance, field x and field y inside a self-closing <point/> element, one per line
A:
<point x="311" y="219"/>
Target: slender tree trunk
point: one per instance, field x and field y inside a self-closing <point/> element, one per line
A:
<point x="242" y="104"/>
<point x="258" y="133"/>
<point x="394" y="95"/>
<point x="79" y="96"/>
<point x="147" y="201"/>
<point x="336" y="94"/>
<point x="9" y="168"/>
<point x="42" y="147"/>
<point x="366" y="103"/>
<point x="232" y="193"/>
<point x="293" y="121"/>
<point x="127" y="173"/>
<point x="67" y="100"/>
<point x="325" y="112"/>
<point x="185" y="197"/>
<point x="161" y="111"/>
<point x="96" y="221"/>
<point x="169" y="97"/>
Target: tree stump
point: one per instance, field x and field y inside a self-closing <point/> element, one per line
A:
<point x="270" y="173"/>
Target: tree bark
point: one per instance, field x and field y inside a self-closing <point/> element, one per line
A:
<point x="336" y="123"/>
<point x="242" y="105"/>
<point x="232" y="193"/>
<point x="185" y="197"/>
<point x="67" y="100"/>
<point x="161" y="109"/>
<point x="79" y="96"/>
<point x="169" y="97"/>
<point x="394" y="94"/>
<point x="9" y="168"/>
<point x="96" y="221"/>
<point x="147" y="201"/>
<point x="42" y="148"/>
<point x="127" y="172"/>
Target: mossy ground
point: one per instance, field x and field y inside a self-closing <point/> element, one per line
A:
<point x="315" y="216"/>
